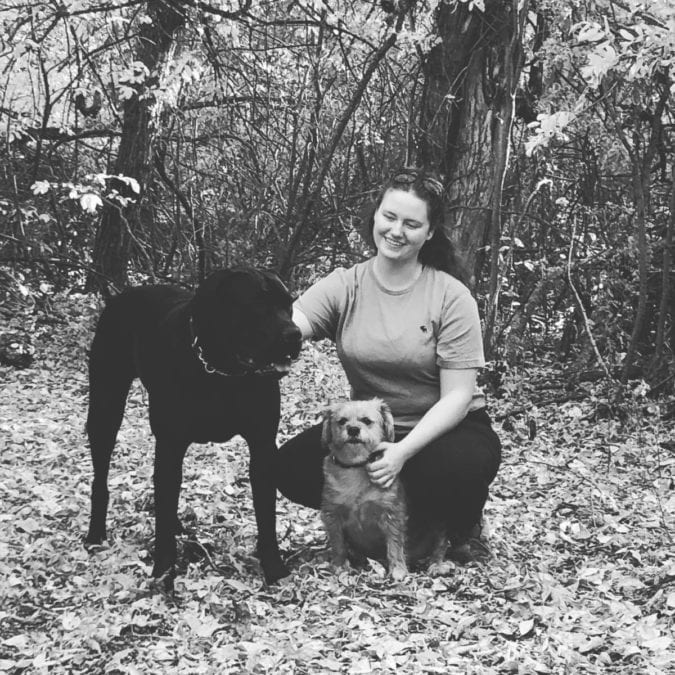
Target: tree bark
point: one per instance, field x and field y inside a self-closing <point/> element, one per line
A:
<point x="665" y="301"/>
<point x="119" y="224"/>
<point x="641" y="174"/>
<point x="466" y="114"/>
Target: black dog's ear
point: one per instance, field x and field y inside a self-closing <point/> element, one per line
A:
<point x="326" y="437"/>
<point x="387" y="422"/>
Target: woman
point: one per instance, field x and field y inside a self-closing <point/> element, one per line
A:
<point x="407" y="331"/>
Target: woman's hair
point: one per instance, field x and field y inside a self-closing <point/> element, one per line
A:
<point x="438" y="251"/>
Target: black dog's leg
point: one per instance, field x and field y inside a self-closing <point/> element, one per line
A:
<point x="110" y="376"/>
<point x="102" y="431"/>
<point x="263" y="487"/>
<point x="168" y="477"/>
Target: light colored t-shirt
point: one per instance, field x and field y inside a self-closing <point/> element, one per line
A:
<point x="392" y="344"/>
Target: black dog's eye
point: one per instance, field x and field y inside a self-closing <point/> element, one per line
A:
<point x="366" y="420"/>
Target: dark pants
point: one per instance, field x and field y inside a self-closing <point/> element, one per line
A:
<point x="447" y="478"/>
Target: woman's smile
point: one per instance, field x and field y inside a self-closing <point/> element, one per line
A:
<point x="395" y="243"/>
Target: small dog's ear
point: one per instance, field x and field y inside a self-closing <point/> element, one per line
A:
<point x="387" y="423"/>
<point x="326" y="437"/>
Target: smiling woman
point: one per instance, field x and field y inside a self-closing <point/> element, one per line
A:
<point x="407" y="331"/>
<point x="400" y="229"/>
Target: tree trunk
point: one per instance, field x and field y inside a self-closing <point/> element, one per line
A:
<point x="504" y="108"/>
<point x="656" y="369"/>
<point x="120" y="223"/>
<point x="466" y="115"/>
<point x="641" y="173"/>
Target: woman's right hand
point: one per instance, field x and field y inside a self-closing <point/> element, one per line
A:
<point x="383" y="471"/>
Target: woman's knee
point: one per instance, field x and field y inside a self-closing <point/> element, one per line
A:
<point x="452" y="474"/>
<point x="299" y="468"/>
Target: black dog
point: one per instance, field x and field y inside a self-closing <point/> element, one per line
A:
<point x="211" y="364"/>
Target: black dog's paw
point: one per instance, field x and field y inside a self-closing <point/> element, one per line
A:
<point x="92" y="544"/>
<point x="164" y="583"/>
<point x="163" y="577"/>
<point x="273" y="572"/>
<point x="273" y="566"/>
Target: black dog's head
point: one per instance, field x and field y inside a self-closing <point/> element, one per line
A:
<point x="242" y="322"/>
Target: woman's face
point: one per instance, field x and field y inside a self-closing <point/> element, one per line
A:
<point x="401" y="225"/>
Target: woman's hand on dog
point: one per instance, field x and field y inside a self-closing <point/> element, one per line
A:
<point x="383" y="471"/>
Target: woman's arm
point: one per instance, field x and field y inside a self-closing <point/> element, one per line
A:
<point x="457" y="388"/>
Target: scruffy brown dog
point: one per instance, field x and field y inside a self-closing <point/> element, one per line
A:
<point x="362" y="519"/>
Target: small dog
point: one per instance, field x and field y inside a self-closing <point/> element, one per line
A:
<point x="361" y="518"/>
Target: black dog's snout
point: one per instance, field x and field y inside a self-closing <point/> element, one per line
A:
<point x="353" y="431"/>
<point x="291" y="339"/>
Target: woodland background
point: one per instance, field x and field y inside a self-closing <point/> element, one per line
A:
<point x="158" y="140"/>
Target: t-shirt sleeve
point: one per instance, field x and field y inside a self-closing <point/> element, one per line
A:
<point x="323" y="302"/>
<point x="460" y="341"/>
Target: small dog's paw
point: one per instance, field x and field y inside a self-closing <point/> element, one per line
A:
<point x="399" y="572"/>
<point x="443" y="568"/>
<point x="340" y="564"/>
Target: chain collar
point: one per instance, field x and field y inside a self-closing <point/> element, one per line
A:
<point x="208" y="368"/>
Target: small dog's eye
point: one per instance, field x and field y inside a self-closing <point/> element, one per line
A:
<point x="342" y="421"/>
<point x="367" y="421"/>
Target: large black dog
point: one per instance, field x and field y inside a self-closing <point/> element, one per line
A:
<point x="211" y="364"/>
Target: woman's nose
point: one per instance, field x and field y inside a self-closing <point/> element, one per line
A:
<point x="396" y="227"/>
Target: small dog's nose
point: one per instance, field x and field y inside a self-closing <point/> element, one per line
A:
<point x="352" y="431"/>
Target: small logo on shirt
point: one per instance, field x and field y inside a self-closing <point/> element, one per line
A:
<point x="424" y="329"/>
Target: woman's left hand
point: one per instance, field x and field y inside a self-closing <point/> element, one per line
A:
<point x="383" y="471"/>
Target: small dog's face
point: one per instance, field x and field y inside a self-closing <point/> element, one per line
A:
<point x="353" y="429"/>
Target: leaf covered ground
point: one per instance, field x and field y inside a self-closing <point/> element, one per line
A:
<point x="581" y="517"/>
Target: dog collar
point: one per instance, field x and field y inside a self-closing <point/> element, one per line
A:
<point x="376" y="454"/>
<point x="208" y="368"/>
<point x="211" y="370"/>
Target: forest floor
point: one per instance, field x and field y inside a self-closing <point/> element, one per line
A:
<point x="581" y="515"/>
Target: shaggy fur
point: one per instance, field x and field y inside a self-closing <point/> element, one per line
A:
<point x="362" y="519"/>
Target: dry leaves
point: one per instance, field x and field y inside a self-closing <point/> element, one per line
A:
<point x="581" y="518"/>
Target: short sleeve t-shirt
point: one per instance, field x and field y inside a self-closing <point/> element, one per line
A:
<point x="392" y="344"/>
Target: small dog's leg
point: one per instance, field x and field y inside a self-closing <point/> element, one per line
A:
<point x="438" y="566"/>
<point x="336" y="538"/>
<point x="394" y="531"/>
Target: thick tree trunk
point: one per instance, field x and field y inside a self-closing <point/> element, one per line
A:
<point x="466" y="115"/>
<point x="641" y="171"/>
<point x="119" y="223"/>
